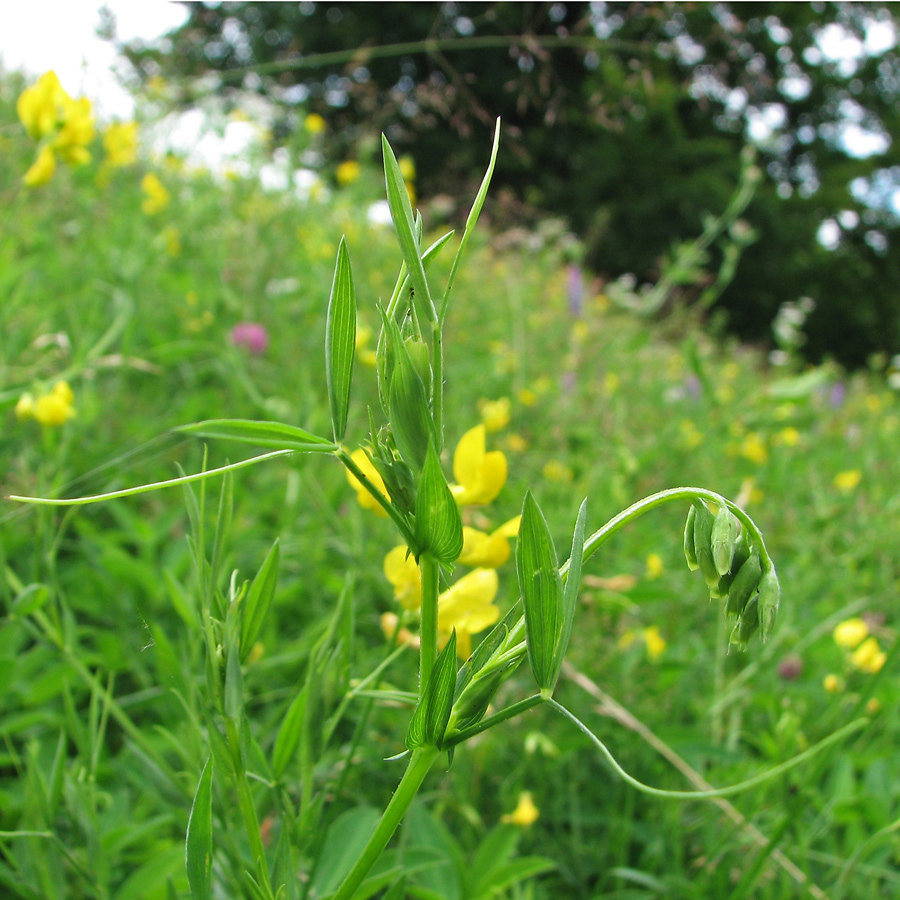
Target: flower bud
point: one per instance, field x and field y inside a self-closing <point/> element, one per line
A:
<point x="420" y="357"/>
<point x="747" y="625"/>
<point x="726" y="531"/>
<point x="744" y="585"/>
<point x="703" y="523"/>
<point x="769" y="600"/>
<point x="690" y="554"/>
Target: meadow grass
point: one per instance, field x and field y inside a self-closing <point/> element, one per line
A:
<point x="102" y="711"/>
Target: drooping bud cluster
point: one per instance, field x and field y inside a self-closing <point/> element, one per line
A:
<point x="736" y="570"/>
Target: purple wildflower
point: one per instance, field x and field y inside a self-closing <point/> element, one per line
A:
<point x="250" y="336"/>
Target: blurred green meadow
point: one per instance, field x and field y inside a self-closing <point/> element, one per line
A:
<point x="130" y="292"/>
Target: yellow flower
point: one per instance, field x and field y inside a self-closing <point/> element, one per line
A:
<point x="494" y="413"/>
<point x="389" y="623"/>
<point x="754" y="449"/>
<point x="157" y="196"/>
<point x="401" y="571"/>
<point x="488" y="550"/>
<point x="868" y="656"/>
<point x="527" y="397"/>
<point x="654" y="566"/>
<point x="314" y="123"/>
<point x="468" y="607"/>
<point x="120" y="143"/>
<point x="655" y="642"/>
<point x="554" y="470"/>
<point x="366" y="500"/>
<point x="407" y="168"/>
<point x="789" y="437"/>
<point x="525" y="813"/>
<point x="480" y="475"/>
<point x="25" y="407"/>
<point x="851" y="633"/>
<point x="410" y="192"/>
<point x="56" y="407"/>
<point x="832" y="683"/>
<point x="77" y="131"/>
<point x="516" y="443"/>
<point x="38" y="106"/>
<point x="366" y="354"/>
<point x="847" y="481"/>
<point x="347" y="172"/>
<point x="42" y="169"/>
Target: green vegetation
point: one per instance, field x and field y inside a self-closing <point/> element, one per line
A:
<point x="129" y="290"/>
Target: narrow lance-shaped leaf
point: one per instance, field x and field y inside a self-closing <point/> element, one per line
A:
<point x="258" y="599"/>
<point x="429" y="721"/>
<point x="402" y="214"/>
<point x="198" y="843"/>
<point x="261" y="434"/>
<point x="340" y="341"/>
<point x="542" y="593"/>
<point x="570" y="592"/>
<point x="438" y="523"/>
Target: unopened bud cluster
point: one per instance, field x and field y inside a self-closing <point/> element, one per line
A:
<point x="736" y="570"/>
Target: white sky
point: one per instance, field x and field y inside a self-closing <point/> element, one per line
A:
<point x="37" y="35"/>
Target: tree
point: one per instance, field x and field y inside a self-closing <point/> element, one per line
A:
<point x="626" y="118"/>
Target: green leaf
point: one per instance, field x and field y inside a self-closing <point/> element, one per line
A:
<point x="31" y="599"/>
<point x="411" y="422"/>
<point x="438" y="523"/>
<point x="344" y="842"/>
<point x="570" y="592"/>
<point x="429" y="721"/>
<point x="261" y="434"/>
<point x="259" y="597"/>
<point x="289" y="734"/>
<point x="542" y="593"/>
<point x="198" y="844"/>
<point x="340" y="341"/>
<point x="404" y="223"/>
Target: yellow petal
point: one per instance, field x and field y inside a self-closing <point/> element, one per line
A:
<point x="468" y="604"/>
<point x="525" y="813"/>
<point x="469" y="455"/>
<point x="42" y="170"/>
<point x="401" y="571"/>
<point x="366" y="500"/>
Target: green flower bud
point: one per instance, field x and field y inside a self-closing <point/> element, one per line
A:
<point x="420" y="357"/>
<point x="726" y="531"/>
<point x="747" y="625"/>
<point x="741" y="555"/>
<point x="744" y="585"/>
<point x="703" y="523"/>
<point x="690" y="554"/>
<point x="769" y="600"/>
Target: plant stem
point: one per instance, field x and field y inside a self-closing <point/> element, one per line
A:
<point x="430" y="573"/>
<point x="420" y="762"/>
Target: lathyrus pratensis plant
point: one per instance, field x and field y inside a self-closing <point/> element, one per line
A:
<point x="400" y="476"/>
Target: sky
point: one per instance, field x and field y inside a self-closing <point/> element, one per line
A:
<point x="41" y="35"/>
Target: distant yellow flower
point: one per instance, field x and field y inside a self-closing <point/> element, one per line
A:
<point x="516" y="443"/>
<point x="611" y="383"/>
<point x="120" y="143"/>
<point x="525" y="813"/>
<point x="25" y="407"/>
<point x="157" y="197"/>
<point x="401" y="571"/>
<point x="480" y="475"/>
<point x="868" y="656"/>
<point x="789" y="437"/>
<point x="410" y="192"/>
<point x="851" y="633"/>
<point x="366" y="354"/>
<point x="314" y="123"/>
<point x="488" y="550"/>
<point x="494" y="413"/>
<point x="77" y="131"/>
<point x="56" y="407"/>
<point x="389" y="623"/>
<point x="527" y="397"/>
<point x="42" y="169"/>
<point x="468" y="607"/>
<point x="754" y="449"/>
<point x="848" y="481"/>
<point x="347" y="172"/>
<point x="407" y="168"/>
<point x="654" y="566"/>
<point x="554" y="470"/>
<point x="39" y="106"/>
<point x="832" y="683"/>
<point x="691" y="436"/>
<point x="655" y="642"/>
<point x="366" y="500"/>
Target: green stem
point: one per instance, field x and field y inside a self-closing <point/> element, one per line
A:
<point x="430" y="572"/>
<point x="437" y="383"/>
<point x="838" y="735"/>
<point x="420" y="762"/>
<point x="491" y="721"/>
<point x="636" y="510"/>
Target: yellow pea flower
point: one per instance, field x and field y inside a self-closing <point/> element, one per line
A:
<point x="488" y="551"/>
<point x="42" y="169"/>
<point x="56" y="407"/>
<point x="654" y="566"/>
<point x="77" y="131"/>
<point x="832" y="683"/>
<point x="120" y="143"/>
<point x="389" y="622"/>
<point x="366" y="500"/>
<point x="25" y="407"/>
<point x="157" y="196"/>
<point x="468" y="607"/>
<point x="407" y="168"/>
<point x="480" y="475"/>
<point x="848" y="481"/>
<point x="851" y="633"/>
<point x="314" y="123"/>
<point x="38" y="106"/>
<point x="655" y="642"/>
<point x="868" y="656"/>
<point x="525" y="813"/>
<point x="401" y="571"/>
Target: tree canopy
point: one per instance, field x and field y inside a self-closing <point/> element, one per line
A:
<point x="626" y="118"/>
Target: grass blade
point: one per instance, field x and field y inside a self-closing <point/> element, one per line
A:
<point x="262" y="434"/>
<point x="340" y="341"/>
<point x="198" y="844"/>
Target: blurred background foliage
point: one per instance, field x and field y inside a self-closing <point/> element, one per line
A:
<point x="625" y="119"/>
